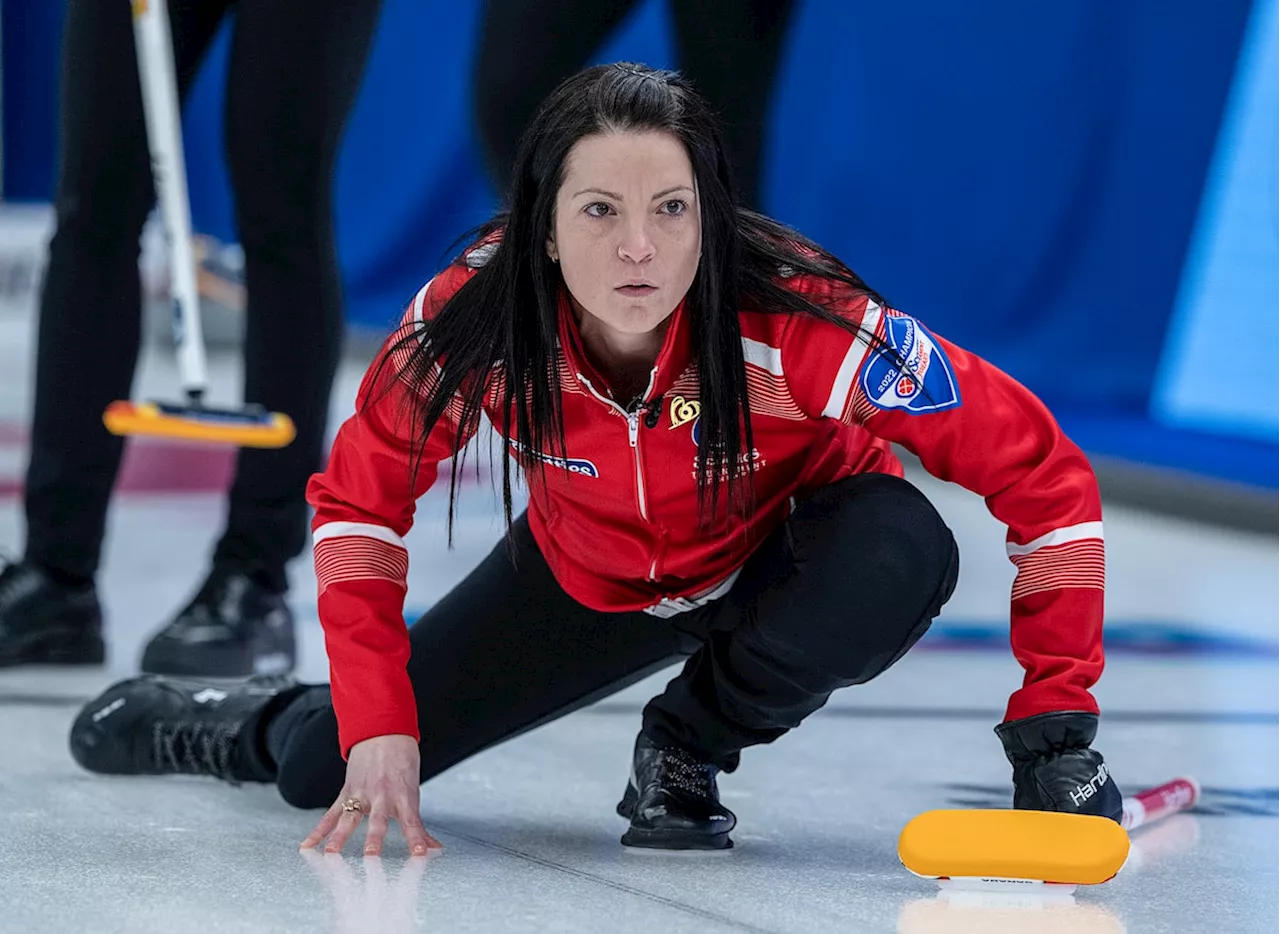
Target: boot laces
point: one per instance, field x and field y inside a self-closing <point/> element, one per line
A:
<point x="195" y="747"/>
<point x="681" y="770"/>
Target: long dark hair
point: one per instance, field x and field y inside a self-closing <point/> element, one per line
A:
<point x="499" y="333"/>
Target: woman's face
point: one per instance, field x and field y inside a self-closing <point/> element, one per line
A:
<point x="627" y="230"/>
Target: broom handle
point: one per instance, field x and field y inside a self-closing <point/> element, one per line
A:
<point x="153" y="42"/>
<point x="1147" y="807"/>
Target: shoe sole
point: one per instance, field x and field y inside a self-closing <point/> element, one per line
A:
<point x="666" y="841"/>
<point x="54" y="648"/>
<point x="654" y="841"/>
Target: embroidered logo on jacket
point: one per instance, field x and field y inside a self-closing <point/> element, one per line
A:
<point x="926" y="384"/>
<point x="684" y="411"/>
<point x="578" y="465"/>
<point x="755" y="457"/>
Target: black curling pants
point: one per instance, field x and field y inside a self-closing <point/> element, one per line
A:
<point x="729" y="49"/>
<point x="295" y="68"/>
<point x="838" y="594"/>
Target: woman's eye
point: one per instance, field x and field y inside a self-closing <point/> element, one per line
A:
<point x="675" y="207"/>
<point x="597" y="209"/>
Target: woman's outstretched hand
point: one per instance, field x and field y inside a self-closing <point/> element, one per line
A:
<point x="382" y="777"/>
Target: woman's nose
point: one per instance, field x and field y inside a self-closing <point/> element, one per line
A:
<point x="636" y="245"/>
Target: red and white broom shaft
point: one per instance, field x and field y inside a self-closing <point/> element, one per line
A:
<point x="1151" y="805"/>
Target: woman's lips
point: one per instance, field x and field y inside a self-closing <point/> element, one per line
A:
<point x="636" y="289"/>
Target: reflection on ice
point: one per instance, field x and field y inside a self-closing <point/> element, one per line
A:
<point x="365" y="895"/>
<point x="975" y="912"/>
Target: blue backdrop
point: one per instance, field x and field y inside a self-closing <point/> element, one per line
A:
<point x="1030" y="179"/>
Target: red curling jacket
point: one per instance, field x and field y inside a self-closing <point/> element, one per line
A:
<point x="617" y="516"/>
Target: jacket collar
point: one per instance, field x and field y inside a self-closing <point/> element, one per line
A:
<point x="673" y="358"/>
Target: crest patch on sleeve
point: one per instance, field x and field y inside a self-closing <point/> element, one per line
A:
<point x="927" y="382"/>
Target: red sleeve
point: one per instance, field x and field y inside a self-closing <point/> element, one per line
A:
<point x="364" y="504"/>
<point x="971" y="424"/>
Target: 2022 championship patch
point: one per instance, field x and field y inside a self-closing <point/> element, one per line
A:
<point x="927" y="383"/>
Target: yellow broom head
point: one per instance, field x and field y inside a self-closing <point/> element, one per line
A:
<point x="1013" y="846"/>
<point x="251" y="427"/>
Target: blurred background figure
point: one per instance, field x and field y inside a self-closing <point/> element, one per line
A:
<point x="295" y="69"/>
<point x="729" y="49"/>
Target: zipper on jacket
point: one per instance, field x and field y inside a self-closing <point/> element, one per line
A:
<point x="633" y="438"/>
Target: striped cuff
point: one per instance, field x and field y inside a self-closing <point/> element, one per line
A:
<point x="1070" y="557"/>
<point x="347" y="551"/>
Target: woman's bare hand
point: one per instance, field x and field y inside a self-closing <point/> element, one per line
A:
<point x="382" y="775"/>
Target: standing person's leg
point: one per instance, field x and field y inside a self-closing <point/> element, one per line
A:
<point x="90" y="325"/>
<point x="526" y="49"/>
<point x="731" y="51"/>
<point x="296" y="67"/>
<point x="503" y="652"/>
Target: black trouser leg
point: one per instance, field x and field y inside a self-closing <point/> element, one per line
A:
<point x="853" y="581"/>
<point x="731" y="50"/>
<point x="507" y="650"/>
<point x="296" y="66"/>
<point x="90" y="305"/>
<point x="526" y="49"/>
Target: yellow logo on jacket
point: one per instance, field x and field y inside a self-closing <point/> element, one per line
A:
<point x="683" y="410"/>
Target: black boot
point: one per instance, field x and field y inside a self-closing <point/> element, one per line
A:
<point x="44" y="622"/>
<point x="673" y="803"/>
<point x="235" y="627"/>
<point x="160" y="726"/>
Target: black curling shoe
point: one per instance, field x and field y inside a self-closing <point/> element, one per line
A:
<point x="233" y="628"/>
<point x="44" y="622"/>
<point x="673" y="803"/>
<point x="166" y="726"/>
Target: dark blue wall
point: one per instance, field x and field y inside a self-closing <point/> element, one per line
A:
<point x="1023" y="176"/>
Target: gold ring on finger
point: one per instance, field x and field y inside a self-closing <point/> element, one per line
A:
<point x="353" y="806"/>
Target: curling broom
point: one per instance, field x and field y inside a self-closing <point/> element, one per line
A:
<point x="251" y="426"/>
<point x="1013" y="849"/>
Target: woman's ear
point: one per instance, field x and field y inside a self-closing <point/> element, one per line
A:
<point x="551" y="248"/>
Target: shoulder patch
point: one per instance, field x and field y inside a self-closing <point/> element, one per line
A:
<point x="926" y="384"/>
<point x="478" y="257"/>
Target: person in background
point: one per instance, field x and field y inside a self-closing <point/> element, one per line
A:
<point x="703" y="403"/>
<point x="730" y="50"/>
<point x="295" y="68"/>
